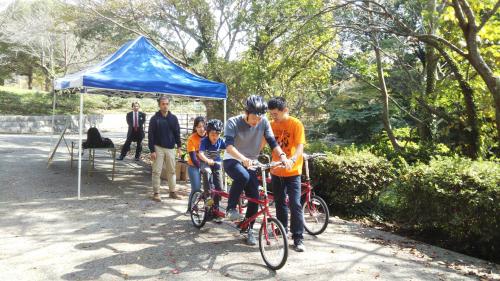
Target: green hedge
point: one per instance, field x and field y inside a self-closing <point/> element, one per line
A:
<point x="452" y="202"/>
<point x="455" y="199"/>
<point x="351" y="179"/>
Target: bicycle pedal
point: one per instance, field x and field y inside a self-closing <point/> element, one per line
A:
<point x="210" y="202"/>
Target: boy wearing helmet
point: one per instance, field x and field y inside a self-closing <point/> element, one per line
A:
<point x="211" y="147"/>
<point x="243" y="135"/>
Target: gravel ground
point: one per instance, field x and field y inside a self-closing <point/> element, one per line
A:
<point x="116" y="233"/>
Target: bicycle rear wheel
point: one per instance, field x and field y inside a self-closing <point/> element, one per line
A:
<point x="316" y="215"/>
<point x="273" y="243"/>
<point x="199" y="209"/>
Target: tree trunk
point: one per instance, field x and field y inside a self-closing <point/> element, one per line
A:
<point x="473" y="134"/>
<point x="30" y="78"/>
<point x="430" y="64"/>
<point x="385" y="96"/>
<point x="215" y="109"/>
<point x="467" y="23"/>
<point x="48" y="84"/>
<point x="492" y="82"/>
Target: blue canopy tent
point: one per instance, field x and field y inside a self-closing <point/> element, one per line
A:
<point x="137" y="69"/>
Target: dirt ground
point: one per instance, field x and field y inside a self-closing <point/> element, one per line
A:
<point x="115" y="232"/>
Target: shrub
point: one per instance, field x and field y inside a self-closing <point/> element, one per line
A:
<point x="321" y="146"/>
<point x="350" y="180"/>
<point x="454" y="198"/>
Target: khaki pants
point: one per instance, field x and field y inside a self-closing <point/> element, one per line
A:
<point x="164" y="156"/>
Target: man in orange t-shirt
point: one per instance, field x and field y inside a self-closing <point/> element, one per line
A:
<point x="289" y="133"/>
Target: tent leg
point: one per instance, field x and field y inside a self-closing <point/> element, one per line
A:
<point x="80" y="129"/>
<point x="52" y="131"/>
<point x="225" y="111"/>
<point x="225" y="120"/>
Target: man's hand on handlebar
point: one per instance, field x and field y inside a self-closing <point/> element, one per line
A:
<point x="286" y="162"/>
<point x="246" y="162"/>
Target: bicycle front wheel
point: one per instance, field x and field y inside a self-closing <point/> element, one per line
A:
<point x="273" y="243"/>
<point x="316" y="215"/>
<point x="199" y="209"/>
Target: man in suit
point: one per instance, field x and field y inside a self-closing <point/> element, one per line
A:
<point x="135" y="121"/>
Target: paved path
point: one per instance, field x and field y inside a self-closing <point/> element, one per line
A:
<point x="116" y="233"/>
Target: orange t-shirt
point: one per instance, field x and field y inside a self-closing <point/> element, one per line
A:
<point x="288" y="133"/>
<point x="193" y="144"/>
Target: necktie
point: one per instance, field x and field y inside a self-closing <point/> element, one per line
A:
<point x="135" y="121"/>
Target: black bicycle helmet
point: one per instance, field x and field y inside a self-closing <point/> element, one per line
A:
<point x="256" y="105"/>
<point x="215" y="125"/>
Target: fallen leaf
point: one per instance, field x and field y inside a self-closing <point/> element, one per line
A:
<point x="175" y="271"/>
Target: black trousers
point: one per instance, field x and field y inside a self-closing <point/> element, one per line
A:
<point x="133" y="137"/>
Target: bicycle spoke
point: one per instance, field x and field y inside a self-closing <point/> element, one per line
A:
<point x="273" y="243"/>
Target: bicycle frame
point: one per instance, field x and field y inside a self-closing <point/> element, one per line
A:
<point x="245" y="223"/>
<point x="264" y="203"/>
<point x="306" y="186"/>
<point x="271" y="235"/>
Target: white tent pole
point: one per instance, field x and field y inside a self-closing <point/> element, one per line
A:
<point x="225" y="120"/>
<point x="53" y="114"/>
<point x="80" y="129"/>
<point x="225" y="112"/>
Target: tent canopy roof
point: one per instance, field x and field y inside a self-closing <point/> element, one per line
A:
<point x="138" y="68"/>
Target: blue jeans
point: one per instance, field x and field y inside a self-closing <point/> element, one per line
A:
<point x="243" y="179"/>
<point x="212" y="179"/>
<point x="291" y="186"/>
<point x="195" y="180"/>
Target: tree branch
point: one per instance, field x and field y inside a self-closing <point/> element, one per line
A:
<point x="459" y="14"/>
<point x="488" y="15"/>
<point x="173" y="57"/>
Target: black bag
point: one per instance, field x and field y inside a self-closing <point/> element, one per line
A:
<point x="107" y="143"/>
<point x="94" y="140"/>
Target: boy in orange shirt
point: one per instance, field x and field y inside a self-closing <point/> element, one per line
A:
<point x="289" y="133"/>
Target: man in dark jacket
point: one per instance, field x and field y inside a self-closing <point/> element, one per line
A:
<point x="163" y="136"/>
<point x="135" y="121"/>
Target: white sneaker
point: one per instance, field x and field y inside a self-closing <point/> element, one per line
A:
<point x="251" y="238"/>
<point x="233" y="215"/>
<point x="299" y="246"/>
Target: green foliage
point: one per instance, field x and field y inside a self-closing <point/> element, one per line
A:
<point x="454" y="198"/>
<point x="15" y="101"/>
<point x="282" y="57"/>
<point x="322" y="147"/>
<point x="350" y="180"/>
<point x="413" y="150"/>
<point x="353" y="107"/>
<point x="28" y="102"/>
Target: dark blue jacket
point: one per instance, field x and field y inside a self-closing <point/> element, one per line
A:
<point x="164" y="131"/>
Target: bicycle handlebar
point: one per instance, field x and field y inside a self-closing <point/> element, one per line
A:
<point x="256" y="164"/>
<point x="314" y="155"/>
